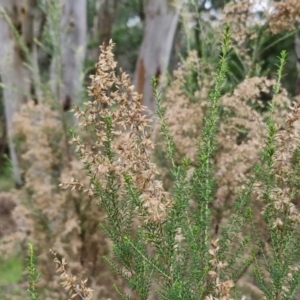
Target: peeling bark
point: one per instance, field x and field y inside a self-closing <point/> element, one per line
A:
<point x="141" y="76"/>
<point x="160" y="27"/>
<point x="73" y="47"/>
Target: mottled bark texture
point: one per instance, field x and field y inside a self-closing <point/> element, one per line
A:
<point x="160" y="27"/>
<point x="73" y="48"/>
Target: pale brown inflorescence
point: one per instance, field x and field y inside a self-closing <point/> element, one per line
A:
<point x="221" y="288"/>
<point x="240" y="138"/>
<point x="242" y="127"/>
<point x="185" y="116"/>
<point x="70" y="281"/>
<point x="283" y="209"/>
<point x="242" y="133"/>
<point x="243" y="26"/>
<point x="124" y="148"/>
<point x="285" y="15"/>
<point x="50" y="217"/>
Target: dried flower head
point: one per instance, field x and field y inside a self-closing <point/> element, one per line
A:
<point x="117" y="118"/>
<point x="284" y="15"/>
<point x="70" y="282"/>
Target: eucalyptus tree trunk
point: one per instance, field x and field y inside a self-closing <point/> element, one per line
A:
<point x="15" y="78"/>
<point x="161" y="19"/>
<point x="73" y="48"/>
<point x="104" y="17"/>
<point x="297" y="50"/>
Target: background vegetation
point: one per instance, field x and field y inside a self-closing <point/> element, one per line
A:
<point x="206" y="192"/>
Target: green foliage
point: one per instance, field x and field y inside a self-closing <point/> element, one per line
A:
<point x="33" y="274"/>
<point x="272" y="44"/>
<point x="179" y="269"/>
<point x="282" y="229"/>
<point x="6" y="177"/>
<point x="10" y="270"/>
<point x="184" y="261"/>
<point x="177" y="257"/>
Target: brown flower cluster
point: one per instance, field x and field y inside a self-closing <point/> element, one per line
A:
<point x="8" y="235"/>
<point x="221" y="288"/>
<point x="285" y="15"/>
<point x="240" y="140"/>
<point x="50" y="217"/>
<point x="241" y="134"/>
<point x="242" y="126"/>
<point x="240" y="15"/>
<point x="185" y="117"/>
<point x="283" y="209"/>
<point x="70" y="281"/>
<point x="116" y="117"/>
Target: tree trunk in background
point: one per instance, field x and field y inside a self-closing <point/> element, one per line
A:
<point x="14" y="75"/>
<point x="73" y="48"/>
<point x="105" y="15"/>
<point x="297" y="50"/>
<point x="160" y="27"/>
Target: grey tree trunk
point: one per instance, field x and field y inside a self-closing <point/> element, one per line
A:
<point x="73" y="49"/>
<point x="160" y="27"/>
<point x="105" y="15"/>
<point x="15" y="77"/>
<point x="19" y="84"/>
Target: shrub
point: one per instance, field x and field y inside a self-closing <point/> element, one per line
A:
<point x="161" y="243"/>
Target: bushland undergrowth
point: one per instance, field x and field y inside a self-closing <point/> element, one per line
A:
<point x="163" y="245"/>
<point x="216" y="218"/>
